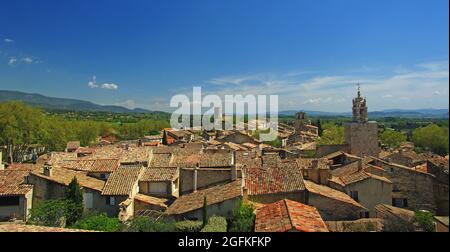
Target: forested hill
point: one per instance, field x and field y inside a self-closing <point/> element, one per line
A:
<point x="53" y="103"/>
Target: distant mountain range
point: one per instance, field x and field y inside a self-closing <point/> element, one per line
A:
<point x="403" y="113"/>
<point x="52" y="103"/>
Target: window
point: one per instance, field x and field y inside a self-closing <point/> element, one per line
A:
<point x="9" y="201"/>
<point x="400" y="202"/>
<point x="88" y="200"/>
<point x="354" y="195"/>
<point x="111" y="201"/>
<point x="395" y="188"/>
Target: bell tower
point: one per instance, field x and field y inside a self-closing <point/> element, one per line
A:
<point x="361" y="135"/>
<point x="360" y="108"/>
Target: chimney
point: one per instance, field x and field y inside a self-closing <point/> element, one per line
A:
<point x="48" y="171"/>
<point x="195" y="177"/>
<point x="360" y="163"/>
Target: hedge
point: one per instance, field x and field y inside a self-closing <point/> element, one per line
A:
<point x="98" y="222"/>
<point x="215" y="224"/>
<point x="188" y="226"/>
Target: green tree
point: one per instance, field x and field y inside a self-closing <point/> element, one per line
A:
<point x="432" y="138"/>
<point x="87" y="132"/>
<point x="332" y="134"/>
<point x="392" y="138"/>
<point x="20" y="126"/>
<point x="74" y="196"/>
<point x="50" y="213"/>
<point x="243" y="218"/>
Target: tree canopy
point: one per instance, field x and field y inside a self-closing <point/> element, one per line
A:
<point x="432" y="138"/>
<point x="392" y="138"/>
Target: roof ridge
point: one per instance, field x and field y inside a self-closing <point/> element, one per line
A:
<point x="289" y="213"/>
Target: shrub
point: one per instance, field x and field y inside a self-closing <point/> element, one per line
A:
<point x="188" y="226"/>
<point x="243" y="218"/>
<point x="215" y="224"/>
<point x="50" y="213"/>
<point x="98" y="222"/>
<point x="425" y="220"/>
<point x="148" y="224"/>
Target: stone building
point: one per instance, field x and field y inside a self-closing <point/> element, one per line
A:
<point x="50" y="183"/>
<point x="221" y="200"/>
<point x="160" y="182"/>
<point x="366" y="188"/>
<point x="411" y="189"/>
<point x="333" y="205"/>
<point x="15" y="194"/>
<point x="361" y="135"/>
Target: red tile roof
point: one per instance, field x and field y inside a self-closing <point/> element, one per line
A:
<point x="121" y="181"/>
<point x="11" y="182"/>
<point x="273" y="180"/>
<point x="286" y="215"/>
<point x="214" y="195"/>
<point x="159" y="174"/>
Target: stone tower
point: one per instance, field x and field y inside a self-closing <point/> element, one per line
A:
<point x="361" y="136"/>
<point x="360" y="108"/>
<point x="301" y="120"/>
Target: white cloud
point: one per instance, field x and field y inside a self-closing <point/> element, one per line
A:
<point x="415" y="87"/>
<point x="111" y="86"/>
<point x="8" y="40"/>
<point x="27" y="60"/>
<point x="93" y="83"/>
<point x="12" y="61"/>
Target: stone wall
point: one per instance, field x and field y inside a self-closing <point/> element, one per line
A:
<point x="362" y="138"/>
<point x="205" y="178"/>
<point x="371" y="192"/>
<point x="224" y="209"/>
<point x="323" y="150"/>
<point x="416" y="187"/>
<point x="333" y="210"/>
<point x="271" y="198"/>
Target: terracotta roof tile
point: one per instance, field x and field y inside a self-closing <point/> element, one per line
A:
<point x="121" y="181"/>
<point x="216" y="194"/>
<point x="159" y="174"/>
<point x="65" y="176"/>
<point x="286" y="215"/>
<point x="11" y="182"/>
<point x="331" y="193"/>
<point x="273" y="180"/>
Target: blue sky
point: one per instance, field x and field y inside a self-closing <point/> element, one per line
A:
<point x="309" y="52"/>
